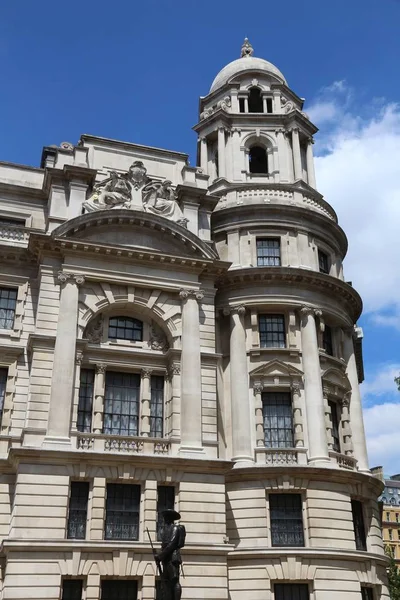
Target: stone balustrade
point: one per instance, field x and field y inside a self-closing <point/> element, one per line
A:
<point x="344" y="461"/>
<point x="14" y="234"/>
<point x="121" y="444"/>
<point x="280" y="456"/>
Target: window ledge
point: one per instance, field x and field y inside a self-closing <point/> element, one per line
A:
<point x="254" y="352"/>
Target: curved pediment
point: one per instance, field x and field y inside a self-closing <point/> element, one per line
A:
<point x="135" y="229"/>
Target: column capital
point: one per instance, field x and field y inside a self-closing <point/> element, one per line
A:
<point x="79" y="358"/>
<point x="295" y="387"/>
<point x="64" y="277"/>
<point x="294" y="130"/>
<point x="349" y="331"/>
<point x="306" y="310"/>
<point x="100" y="368"/>
<point x="280" y="130"/>
<point x="236" y="130"/>
<point x="257" y="388"/>
<point x="240" y="310"/>
<point x="146" y="373"/>
<point x="185" y="294"/>
<point x="325" y="391"/>
<point x="174" y="369"/>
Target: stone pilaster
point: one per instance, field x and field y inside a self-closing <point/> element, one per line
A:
<point x="257" y="391"/>
<point x="204" y="154"/>
<point x="310" y="164"/>
<point x="297" y="417"/>
<point x="296" y="154"/>
<point x="328" y="421"/>
<point x="99" y="392"/>
<point x="145" y="402"/>
<point x="221" y="152"/>
<point x="174" y="375"/>
<point x="345" y="425"/>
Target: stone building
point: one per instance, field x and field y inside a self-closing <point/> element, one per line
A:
<point x="184" y="336"/>
<point x="390" y="503"/>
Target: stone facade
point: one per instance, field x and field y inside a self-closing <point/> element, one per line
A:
<point x="184" y="333"/>
<point x="390" y="503"/>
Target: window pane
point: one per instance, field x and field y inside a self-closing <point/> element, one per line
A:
<point x="113" y="589"/>
<point x="157" y="406"/>
<point x="286" y="520"/>
<point x="125" y="328"/>
<point x="3" y="385"/>
<point x="335" y="425"/>
<point x="165" y="500"/>
<point x="268" y="252"/>
<point x="77" y="515"/>
<point x="258" y="160"/>
<point x="8" y="302"/>
<point x="277" y="420"/>
<point x="291" y="591"/>
<point x="358" y="523"/>
<point x="85" y="404"/>
<point x="272" y="331"/>
<point x="323" y="261"/>
<point x="327" y="340"/>
<point x="122" y="512"/>
<point x="72" y="589"/>
<point x="367" y="593"/>
<point x="121" y="404"/>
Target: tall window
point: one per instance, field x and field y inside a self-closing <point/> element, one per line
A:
<point x="242" y="105"/>
<point x="335" y="425"/>
<point x="85" y="404"/>
<point x="8" y="302"/>
<point x="323" y="261"/>
<point x="269" y="105"/>
<point x="3" y="385"/>
<point x="121" y="404"/>
<point x="122" y="511"/>
<point x="78" y="506"/>
<point x="157" y="406"/>
<point x="291" y="591"/>
<point x="258" y="160"/>
<point x="72" y="589"/>
<point x="125" y="328"/>
<point x="358" y="524"/>
<point x="114" y="589"/>
<point x="268" y="252"/>
<point x="286" y="520"/>
<point x="165" y="500"/>
<point x="277" y="419"/>
<point x="327" y="343"/>
<point x="272" y="331"/>
<point x="255" y="101"/>
<point x="367" y="593"/>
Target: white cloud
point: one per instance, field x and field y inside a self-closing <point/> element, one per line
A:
<point x="358" y="173"/>
<point x="382" y="382"/>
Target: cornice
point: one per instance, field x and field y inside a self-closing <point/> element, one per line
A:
<point x="103" y="141"/>
<point x="334" y="554"/>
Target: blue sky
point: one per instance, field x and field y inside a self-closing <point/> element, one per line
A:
<point x="134" y="71"/>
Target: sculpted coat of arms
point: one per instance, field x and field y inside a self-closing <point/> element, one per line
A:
<point x="134" y="190"/>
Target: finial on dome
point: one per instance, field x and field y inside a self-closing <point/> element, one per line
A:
<point x="247" y="48"/>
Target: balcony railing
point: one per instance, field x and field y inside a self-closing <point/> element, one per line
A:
<point x="15" y="234"/>
<point x="97" y="442"/>
<point x="280" y="456"/>
<point x="344" y="461"/>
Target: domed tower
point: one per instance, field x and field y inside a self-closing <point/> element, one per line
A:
<point x="301" y="502"/>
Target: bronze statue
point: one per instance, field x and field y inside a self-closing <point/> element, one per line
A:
<point x="169" y="558"/>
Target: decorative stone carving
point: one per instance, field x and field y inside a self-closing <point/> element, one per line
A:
<point x="63" y="277"/>
<point x="184" y="294"/>
<point x="94" y="331"/>
<point x="247" y="49"/>
<point x="114" y="192"/>
<point x="137" y="174"/>
<point x="66" y="146"/>
<point x="160" y="199"/>
<point x="286" y="105"/>
<point x="101" y="368"/>
<point x="158" y="340"/>
<point x="146" y="373"/>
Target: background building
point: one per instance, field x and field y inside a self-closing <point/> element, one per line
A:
<point x="184" y="336"/>
<point x="390" y="500"/>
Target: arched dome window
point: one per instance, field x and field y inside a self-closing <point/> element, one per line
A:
<point x="255" y="101"/>
<point x="125" y="328"/>
<point x="258" y="160"/>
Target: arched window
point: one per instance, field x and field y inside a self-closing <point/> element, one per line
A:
<point x="258" y="160"/>
<point x="255" y="101"/>
<point x="125" y="328"/>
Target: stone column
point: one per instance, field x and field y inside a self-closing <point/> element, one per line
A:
<point x="221" y="152"/>
<point x="236" y="154"/>
<point x="310" y="164"/>
<point x="356" y="415"/>
<point x="315" y="408"/>
<point x="328" y="421"/>
<point x="191" y="426"/>
<point x="204" y="155"/>
<point x="296" y="154"/>
<point x="99" y="391"/>
<point x="257" y="391"/>
<point x="297" y="417"/>
<point x="346" y="428"/>
<point x="241" y="427"/>
<point x="174" y="373"/>
<point x="145" y="404"/>
<point x="63" y="377"/>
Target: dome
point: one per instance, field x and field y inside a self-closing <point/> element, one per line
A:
<point x="246" y="62"/>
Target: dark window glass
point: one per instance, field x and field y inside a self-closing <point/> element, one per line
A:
<point x="12" y="222"/>
<point x="125" y="328"/>
<point x="277" y="420"/>
<point x="3" y="384"/>
<point x="286" y="520"/>
<point x="121" y="404"/>
<point x="335" y="425"/>
<point x="216" y="163"/>
<point x="241" y="105"/>
<point x="268" y="252"/>
<point x="269" y="105"/>
<point x="157" y="406"/>
<point x="72" y="589"/>
<point x="272" y="331"/>
<point x="367" y="593"/>
<point x="258" y="160"/>
<point x="77" y="514"/>
<point x="84" y="422"/>
<point x="8" y="302"/>
<point x="327" y="340"/>
<point x="358" y="523"/>
<point x="255" y="101"/>
<point x="122" y="511"/>
<point x="291" y="591"/>
<point x="113" y="589"/>
<point x="165" y="500"/>
<point x="323" y="261"/>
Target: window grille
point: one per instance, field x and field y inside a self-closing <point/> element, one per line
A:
<point x="335" y="425"/>
<point x="327" y="343"/>
<point x="72" y="589"/>
<point x="121" y="404"/>
<point x="367" y="593"/>
<point x="78" y="506"/>
<point x="157" y="406"/>
<point x="358" y="524"/>
<point x="122" y="512"/>
<point x="268" y="252"/>
<point x="113" y="589"/>
<point x="323" y="262"/>
<point x="258" y="160"/>
<point x="125" y="328"/>
<point x="272" y="331"/>
<point x="277" y="420"/>
<point x="286" y="520"/>
<point x="165" y="500"/>
<point x="85" y="404"/>
<point x="8" y="302"/>
<point x="291" y="591"/>
<point x="3" y="385"/>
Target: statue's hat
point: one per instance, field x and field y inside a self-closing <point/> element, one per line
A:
<point x="172" y="514"/>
